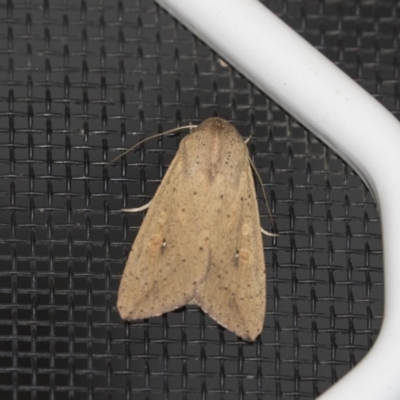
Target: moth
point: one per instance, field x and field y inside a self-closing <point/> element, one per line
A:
<point x="200" y="241"/>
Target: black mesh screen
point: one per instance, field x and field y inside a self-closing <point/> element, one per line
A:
<point x="83" y="80"/>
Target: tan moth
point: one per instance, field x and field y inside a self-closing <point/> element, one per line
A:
<point x="200" y="241"/>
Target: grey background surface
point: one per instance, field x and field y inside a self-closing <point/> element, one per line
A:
<point x="83" y="80"/>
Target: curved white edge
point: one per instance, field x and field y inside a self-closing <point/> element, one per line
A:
<point x="318" y="94"/>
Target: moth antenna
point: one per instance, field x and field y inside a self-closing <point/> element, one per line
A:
<point x="180" y="128"/>
<point x="265" y="199"/>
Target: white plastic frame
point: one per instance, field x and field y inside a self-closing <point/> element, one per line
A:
<point x="342" y="114"/>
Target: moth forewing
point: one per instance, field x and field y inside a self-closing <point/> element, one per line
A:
<point x="201" y="238"/>
<point x="160" y="275"/>
<point x="234" y="292"/>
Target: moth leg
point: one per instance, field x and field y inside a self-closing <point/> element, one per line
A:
<point x="248" y="139"/>
<point x="137" y="209"/>
<point x="267" y="233"/>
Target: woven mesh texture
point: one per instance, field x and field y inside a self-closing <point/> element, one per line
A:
<point x="83" y="80"/>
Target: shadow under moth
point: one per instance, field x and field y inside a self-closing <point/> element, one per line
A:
<point x="200" y="241"/>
